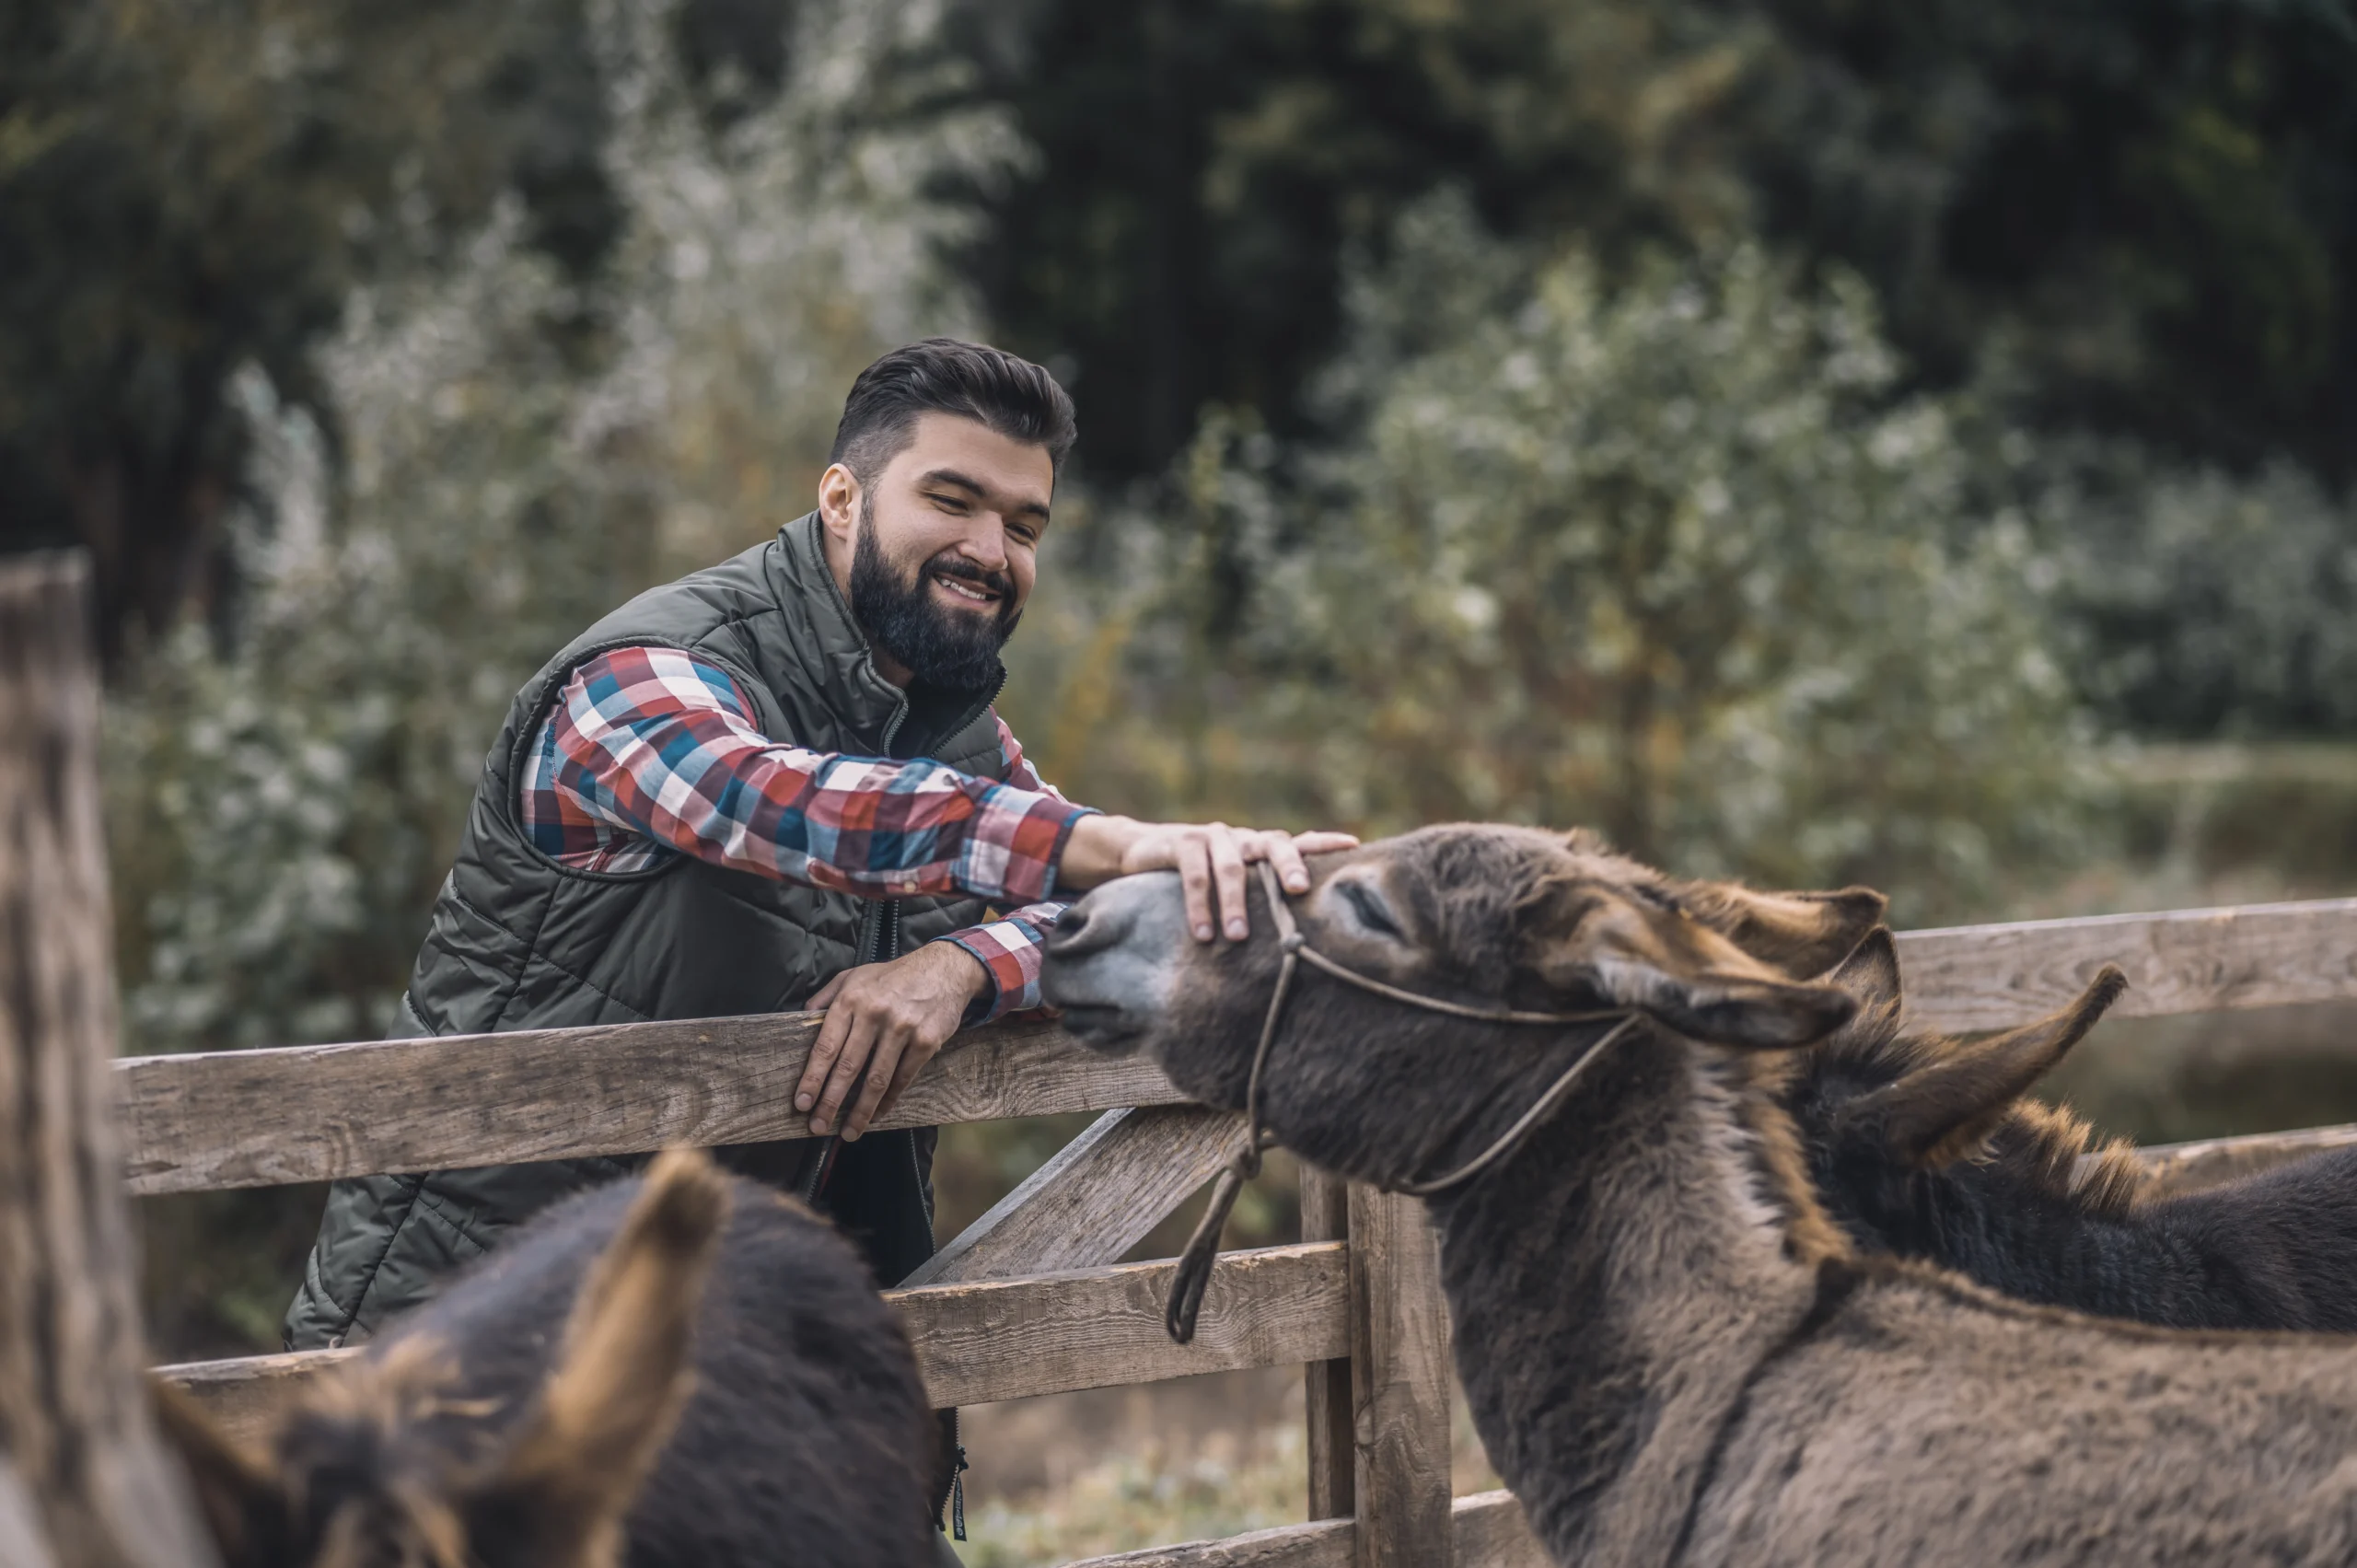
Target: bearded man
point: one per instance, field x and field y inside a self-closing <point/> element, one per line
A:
<point x="775" y="784"/>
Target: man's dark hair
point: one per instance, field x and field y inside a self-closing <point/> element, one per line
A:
<point x="973" y="381"/>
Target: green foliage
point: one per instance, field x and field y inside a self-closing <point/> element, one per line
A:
<point x="2209" y="603"/>
<point x="186" y="189"/>
<point x="1673" y="559"/>
<point x="2134" y="214"/>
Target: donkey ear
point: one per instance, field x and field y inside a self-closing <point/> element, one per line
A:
<point x="1798" y="933"/>
<point x="1871" y="972"/>
<point x="1726" y="1007"/>
<point x="621" y="1376"/>
<point x="245" y="1507"/>
<point x="1941" y="1112"/>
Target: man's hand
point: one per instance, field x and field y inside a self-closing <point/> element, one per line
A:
<point x="890" y="1019"/>
<point x="1208" y="857"/>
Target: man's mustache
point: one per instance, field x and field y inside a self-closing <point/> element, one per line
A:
<point x="950" y="563"/>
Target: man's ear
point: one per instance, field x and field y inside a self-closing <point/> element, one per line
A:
<point x="1942" y="1111"/>
<point x="622" y="1378"/>
<point x="244" y="1505"/>
<point x="1805" y="933"/>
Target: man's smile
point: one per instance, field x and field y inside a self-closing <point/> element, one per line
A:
<point x="965" y="588"/>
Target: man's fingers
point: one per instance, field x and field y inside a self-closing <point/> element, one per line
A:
<point x="857" y="1044"/>
<point x="1324" y="843"/>
<point x="891" y="1044"/>
<point x="826" y="995"/>
<point x="1194" y="864"/>
<point x="823" y="1051"/>
<point x="1227" y="878"/>
<point x="1286" y="859"/>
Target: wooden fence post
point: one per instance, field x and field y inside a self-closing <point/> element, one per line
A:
<point x="1398" y="1384"/>
<point x="1326" y="1388"/>
<point x="84" y="1481"/>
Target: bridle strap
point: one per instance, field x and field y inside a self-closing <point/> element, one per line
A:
<point x="1195" y="1264"/>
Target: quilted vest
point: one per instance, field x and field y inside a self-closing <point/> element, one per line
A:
<point x="519" y="942"/>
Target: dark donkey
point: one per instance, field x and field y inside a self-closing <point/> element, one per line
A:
<point x="1929" y="1147"/>
<point x="685" y="1370"/>
<point x="1672" y="1354"/>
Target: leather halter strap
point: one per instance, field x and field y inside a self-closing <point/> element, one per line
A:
<point x="1195" y="1264"/>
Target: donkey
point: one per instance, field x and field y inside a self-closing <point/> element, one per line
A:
<point x="1671" y="1352"/>
<point x="727" y="1390"/>
<point x="1929" y="1148"/>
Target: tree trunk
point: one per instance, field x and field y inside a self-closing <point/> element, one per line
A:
<point x="84" y="1481"/>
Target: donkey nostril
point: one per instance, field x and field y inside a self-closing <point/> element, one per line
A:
<point x="1082" y="930"/>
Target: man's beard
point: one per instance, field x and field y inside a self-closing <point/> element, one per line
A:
<point x="940" y="646"/>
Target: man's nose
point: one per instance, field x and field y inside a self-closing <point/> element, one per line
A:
<point x="986" y="546"/>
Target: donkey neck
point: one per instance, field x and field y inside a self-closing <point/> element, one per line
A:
<point x="1612" y="1288"/>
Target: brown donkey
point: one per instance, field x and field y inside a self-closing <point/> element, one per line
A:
<point x="688" y="1371"/>
<point x="1929" y="1148"/>
<point x="1671" y="1353"/>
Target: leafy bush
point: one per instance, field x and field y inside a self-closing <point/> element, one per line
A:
<point x="1675" y="559"/>
<point x="2208" y="602"/>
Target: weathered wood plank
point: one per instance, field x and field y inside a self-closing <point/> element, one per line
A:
<point x="2182" y="1167"/>
<point x="1398" y="1384"/>
<point x="1326" y="1385"/>
<point x="999" y="1340"/>
<point x="312" y="1113"/>
<point x="1492" y="1533"/>
<point x="1096" y="1327"/>
<point x="85" y="1481"/>
<point x="1096" y="1198"/>
<point x="1992" y="977"/>
<point x="1324" y="1544"/>
<point x="1488" y="1526"/>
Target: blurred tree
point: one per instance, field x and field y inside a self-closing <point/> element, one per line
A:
<point x="189" y="188"/>
<point x="2137" y="215"/>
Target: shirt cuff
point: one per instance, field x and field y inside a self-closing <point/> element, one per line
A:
<point x="1010" y="951"/>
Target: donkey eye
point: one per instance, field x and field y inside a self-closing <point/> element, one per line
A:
<point x="1367" y="906"/>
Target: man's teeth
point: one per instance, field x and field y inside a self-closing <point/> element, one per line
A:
<point x="964" y="591"/>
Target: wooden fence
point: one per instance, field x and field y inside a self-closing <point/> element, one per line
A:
<point x="1030" y="1298"/>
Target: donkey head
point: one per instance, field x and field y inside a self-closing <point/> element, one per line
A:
<point x="1482" y="915"/>
<point x="391" y="1465"/>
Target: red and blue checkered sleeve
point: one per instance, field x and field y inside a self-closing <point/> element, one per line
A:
<point x="659" y="743"/>
<point x="1010" y="949"/>
<point x="1016" y="769"/>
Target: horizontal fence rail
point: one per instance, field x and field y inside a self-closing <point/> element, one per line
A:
<point x="317" y="1112"/>
<point x="313" y="1114"/>
<point x="1487" y="1530"/>
<point x="1002" y="1339"/>
<point x="1993" y="977"/>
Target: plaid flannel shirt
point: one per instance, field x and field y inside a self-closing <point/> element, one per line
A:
<point x="651" y="753"/>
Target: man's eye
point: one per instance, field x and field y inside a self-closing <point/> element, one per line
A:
<point x="1368" y="908"/>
